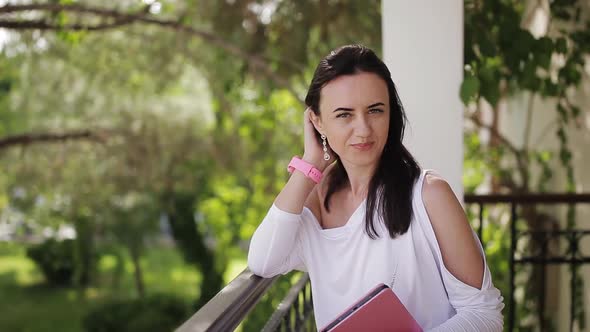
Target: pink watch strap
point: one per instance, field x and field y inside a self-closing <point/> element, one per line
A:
<point x="306" y="168"/>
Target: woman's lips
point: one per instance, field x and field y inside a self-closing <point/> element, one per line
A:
<point x="363" y="146"/>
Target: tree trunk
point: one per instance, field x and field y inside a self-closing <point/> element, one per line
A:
<point x="84" y="251"/>
<point x="137" y="272"/>
<point x="180" y="210"/>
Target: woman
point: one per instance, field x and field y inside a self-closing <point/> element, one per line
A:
<point x="358" y="210"/>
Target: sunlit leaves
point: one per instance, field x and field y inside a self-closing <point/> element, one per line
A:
<point x="521" y="61"/>
<point x="469" y="89"/>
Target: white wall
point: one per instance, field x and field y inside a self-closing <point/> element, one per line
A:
<point x="423" y="48"/>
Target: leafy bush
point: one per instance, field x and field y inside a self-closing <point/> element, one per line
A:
<point x="155" y="313"/>
<point x="55" y="259"/>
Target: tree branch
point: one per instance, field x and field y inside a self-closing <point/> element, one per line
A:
<point x="120" y="18"/>
<point x="32" y="138"/>
<point x="43" y="25"/>
<point x="494" y="133"/>
<point x="529" y="120"/>
<point x="519" y="155"/>
<point x="543" y="133"/>
<point x="77" y="8"/>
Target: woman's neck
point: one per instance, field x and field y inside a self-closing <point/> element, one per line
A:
<point x="359" y="178"/>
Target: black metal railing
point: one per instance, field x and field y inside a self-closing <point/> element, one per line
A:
<point x="231" y="305"/>
<point x="541" y="237"/>
<point x="295" y="313"/>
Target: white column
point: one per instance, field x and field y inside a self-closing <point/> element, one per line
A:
<point x="423" y="48"/>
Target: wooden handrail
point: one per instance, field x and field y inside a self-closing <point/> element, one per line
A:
<point x="226" y="310"/>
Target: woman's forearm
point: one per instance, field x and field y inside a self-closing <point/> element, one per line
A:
<point x="273" y="248"/>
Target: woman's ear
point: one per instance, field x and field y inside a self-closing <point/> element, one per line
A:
<point x="316" y="121"/>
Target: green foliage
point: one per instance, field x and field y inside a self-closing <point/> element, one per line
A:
<point x="469" y="88"/>
<point x="258" y="317"/>
<point x="503" y="59"/>
<point x="155" y="313"/>
<point x="500" y="50"/>
<point x="476" y="166"/>
<point x="24" y="295"/>
<point x="56" y="260"/>
<point x="543" y="158"/>
<point x="135" y="216"/>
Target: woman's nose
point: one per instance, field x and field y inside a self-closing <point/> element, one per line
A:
<point x="363" y="126"/>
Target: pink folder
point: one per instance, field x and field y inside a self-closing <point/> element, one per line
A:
<point x="379" y="310"/>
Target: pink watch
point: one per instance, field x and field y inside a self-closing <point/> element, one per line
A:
<point x="306" y="168"/>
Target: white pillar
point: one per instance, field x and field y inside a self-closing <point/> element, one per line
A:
<point x="423" y="48"/>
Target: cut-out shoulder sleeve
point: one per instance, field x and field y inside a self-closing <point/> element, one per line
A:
<point x="275" y="246"/>
<point x="477" y="309"/>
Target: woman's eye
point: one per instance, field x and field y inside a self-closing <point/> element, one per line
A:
<point x="343" y="115"/>
<point x="376" y="110"/>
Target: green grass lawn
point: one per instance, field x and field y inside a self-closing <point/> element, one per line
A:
<point x="26" y="304"/>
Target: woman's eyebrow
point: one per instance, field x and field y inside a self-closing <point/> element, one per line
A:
<point x="343" y="109"/>
<point x="350" y="109"/>
<point x="376" y="104"/>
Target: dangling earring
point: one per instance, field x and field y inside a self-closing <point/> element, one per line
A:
<point x="324" y="143"/>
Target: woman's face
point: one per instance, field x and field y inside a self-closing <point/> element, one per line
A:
<point x="354" y="116"/>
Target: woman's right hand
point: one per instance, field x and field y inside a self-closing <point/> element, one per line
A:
<point x="314" y="153"/>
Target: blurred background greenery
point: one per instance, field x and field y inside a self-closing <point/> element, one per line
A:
<point x="155" y="146"/>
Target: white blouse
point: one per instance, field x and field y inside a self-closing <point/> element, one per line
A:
<point x="344" y="263"/>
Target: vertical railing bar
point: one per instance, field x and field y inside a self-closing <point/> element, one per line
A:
<point x="572" y="251"/>
<point x="480" y="226"/>
<point x="544" y="250"/>
<point x="288" y="321"/>
<point x="513" y="235"/>
<point x="297" y="312"/>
